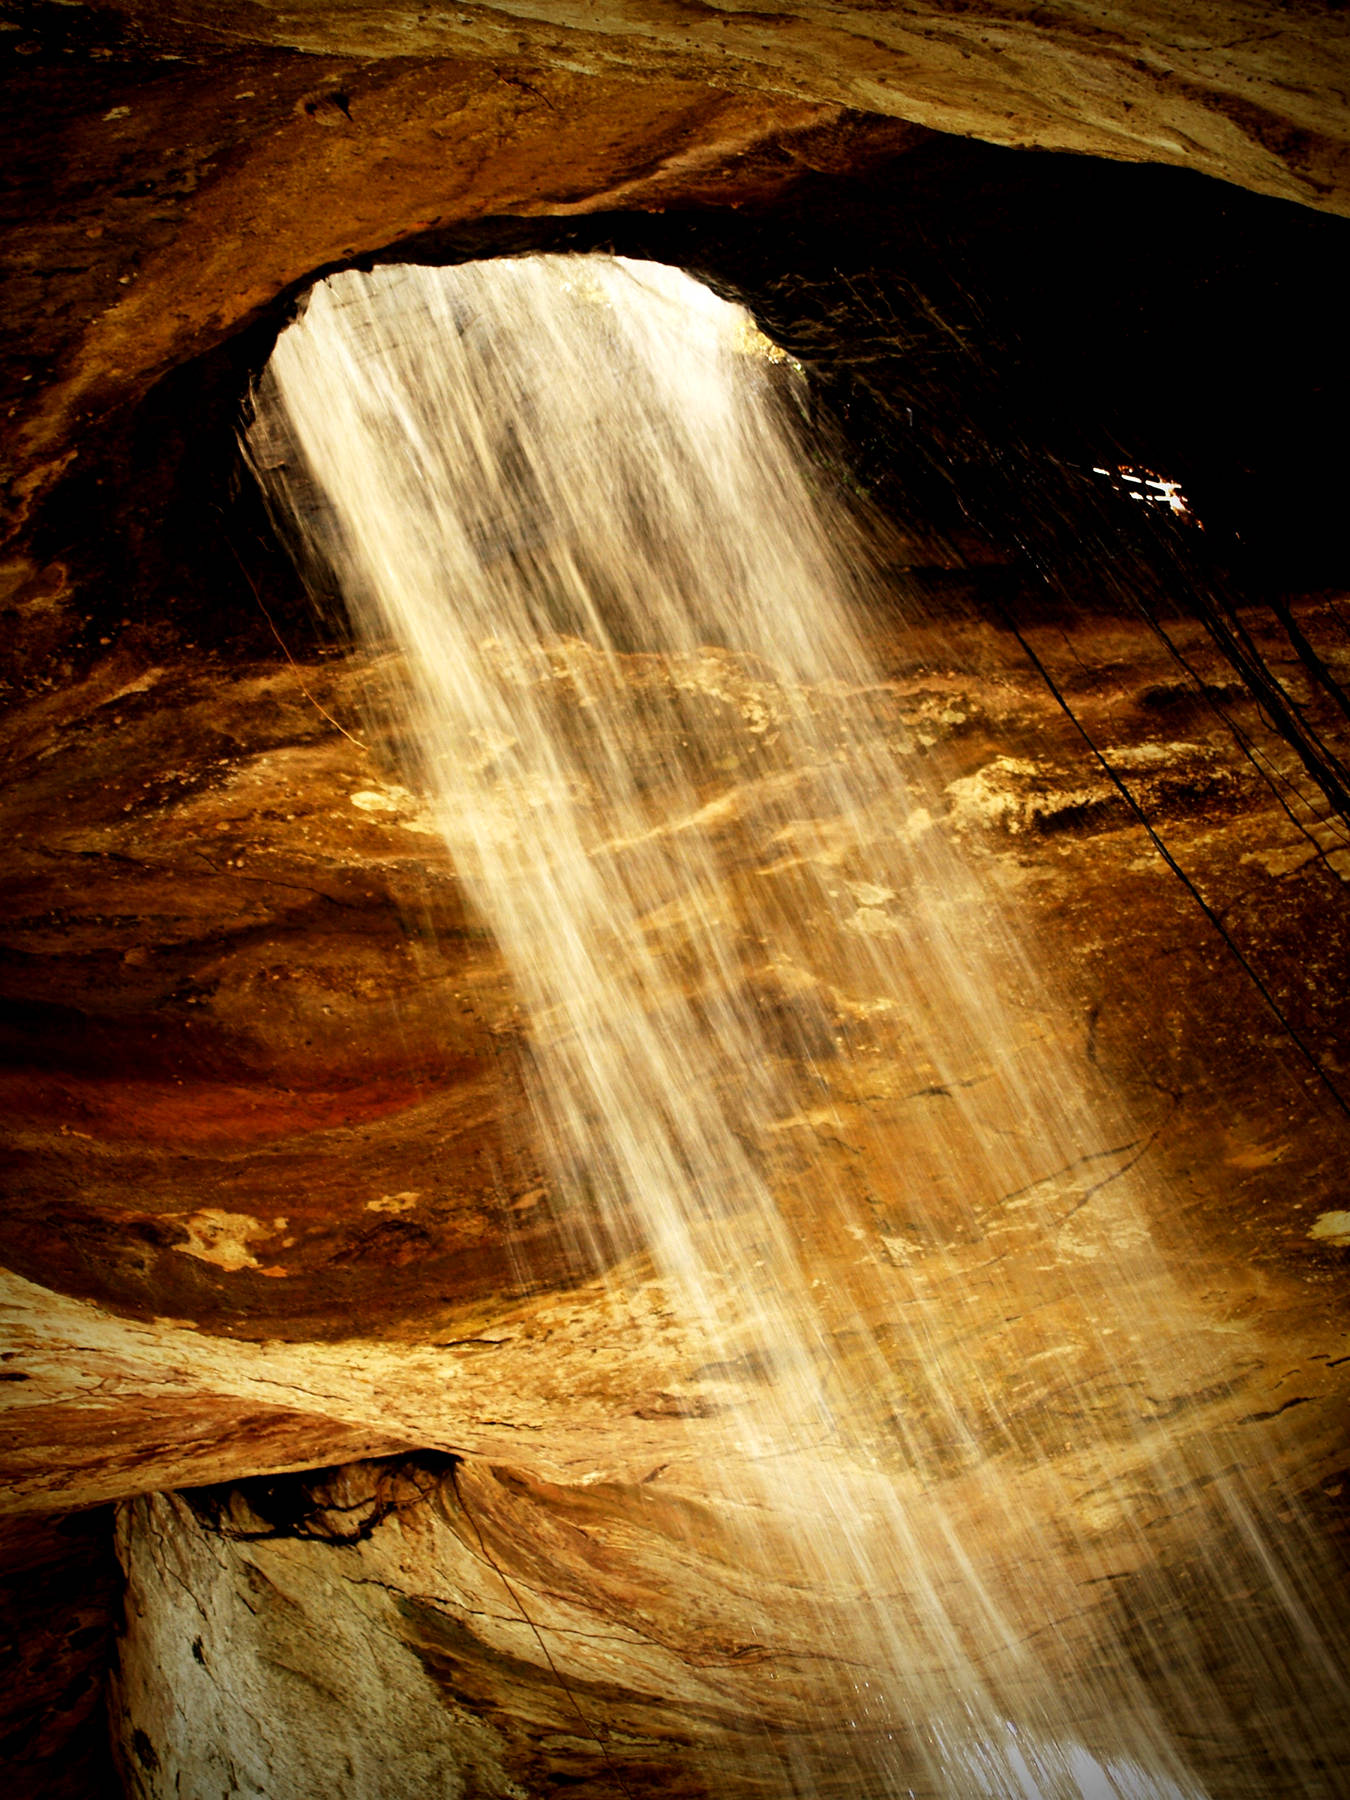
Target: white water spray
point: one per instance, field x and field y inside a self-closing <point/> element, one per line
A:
<point x="682" y="800"/>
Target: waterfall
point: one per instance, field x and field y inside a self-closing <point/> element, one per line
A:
<point x="570" y="493"/>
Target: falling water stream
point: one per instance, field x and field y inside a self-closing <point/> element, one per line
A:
<point x="568" y="492"/>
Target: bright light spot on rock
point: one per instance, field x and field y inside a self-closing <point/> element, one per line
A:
<point x="751" y="341"/>
<point x="395" y="1203"/>
<point x="223" y="1238"/>
<point x="389" y="800"/>
<point x="1332" y="1228"/>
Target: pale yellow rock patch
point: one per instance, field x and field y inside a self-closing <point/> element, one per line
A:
<point x="223" y="1238"/>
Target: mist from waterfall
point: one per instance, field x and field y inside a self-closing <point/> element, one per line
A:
<point x="570" y="493"/>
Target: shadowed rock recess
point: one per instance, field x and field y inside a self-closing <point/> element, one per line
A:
<point x="363" y="1435"/>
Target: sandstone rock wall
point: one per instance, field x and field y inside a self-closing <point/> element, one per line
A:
<point x="263" y="1210"/>
<point x="1251" y="93"/>
<point x="194" y="166"/>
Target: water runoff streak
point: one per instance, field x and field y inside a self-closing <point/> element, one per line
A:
<point x="679" y="794"/>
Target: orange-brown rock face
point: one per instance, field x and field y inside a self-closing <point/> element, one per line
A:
<point x="193" y="166"/>
<point x="1234" y="90"/>
<point x="272" y="1150"/>
<point x="271" y="1064"/>
<point x="273" y="1200"/>
<point x="181" y="200"/>
<point x="314" y="984"/>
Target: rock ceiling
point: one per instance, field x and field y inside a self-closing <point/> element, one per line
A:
<point x="266" y="1194"/>
<point x="180" y="196"/>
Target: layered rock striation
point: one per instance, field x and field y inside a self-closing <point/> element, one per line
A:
<point x="269" y="1204"/>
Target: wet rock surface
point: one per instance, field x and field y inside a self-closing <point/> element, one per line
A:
<point x="426" y="1626"/>
<point x="294" y="1229"/>
<point x="248" y="995"/>
<point x="269" y="1204"/>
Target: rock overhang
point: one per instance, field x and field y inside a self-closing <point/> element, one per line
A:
<point x="198" y="1261"/>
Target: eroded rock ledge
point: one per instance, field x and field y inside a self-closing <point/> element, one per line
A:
<point x="1245" y="91"/>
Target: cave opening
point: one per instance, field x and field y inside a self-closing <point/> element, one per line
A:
<point x="296" y="1086"/>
